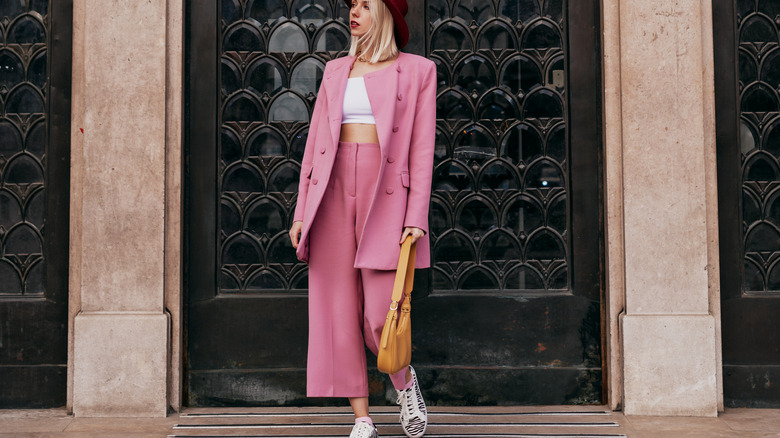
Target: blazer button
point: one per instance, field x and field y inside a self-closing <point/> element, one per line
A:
<point x="389" y="190"/>
<point x="390" y="159"/>
<point x="395" y="129"/>
<point x="314" y="181"/>
<point x="400" y="96"/>
<point x="322" y="151"/>
<point x="398" y="68"/>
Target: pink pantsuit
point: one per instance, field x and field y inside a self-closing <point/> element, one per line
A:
<point x="354" y="201"/>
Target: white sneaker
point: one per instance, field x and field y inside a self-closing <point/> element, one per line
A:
<point x="363" y="430"/>
<point x="414" y="415"/>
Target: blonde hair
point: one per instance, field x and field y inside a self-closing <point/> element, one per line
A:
<point x="378" y="44"/>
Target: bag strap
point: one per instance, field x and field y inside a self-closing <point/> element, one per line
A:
<point x="404" y="275"/>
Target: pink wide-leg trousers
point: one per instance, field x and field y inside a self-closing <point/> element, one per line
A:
<point x="347" y="305"/>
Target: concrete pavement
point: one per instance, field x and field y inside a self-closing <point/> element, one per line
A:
<point x="465" y="422"/>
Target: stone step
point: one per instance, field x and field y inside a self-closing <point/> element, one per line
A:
<point x="472" y="422"/>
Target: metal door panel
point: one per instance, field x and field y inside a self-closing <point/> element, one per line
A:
<point x="35" y="57"/>
<point x="513" y="297"/>
<point x="746" y="47"/>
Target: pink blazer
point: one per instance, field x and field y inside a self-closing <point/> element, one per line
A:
<point x="403" y="98"/>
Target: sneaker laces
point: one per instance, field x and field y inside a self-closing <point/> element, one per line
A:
<point x="414" y="415"/>
<point x="363" y="430"/>
<point x="407" y="400"/>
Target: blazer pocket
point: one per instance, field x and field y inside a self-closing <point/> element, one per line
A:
<point x="405" y="179"/>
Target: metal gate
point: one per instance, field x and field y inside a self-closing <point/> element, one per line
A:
<point x="747" y="75"/>
<point x="35" y="70"/>
<point x="510" y="311"/>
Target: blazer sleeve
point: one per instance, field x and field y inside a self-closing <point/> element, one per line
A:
<point x="308" y="155"/>
<point x="423" y="142"/>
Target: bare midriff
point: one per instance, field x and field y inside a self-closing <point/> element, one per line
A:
<point x="358" y="133"/>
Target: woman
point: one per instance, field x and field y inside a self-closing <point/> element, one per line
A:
<point x="365" y="185"/>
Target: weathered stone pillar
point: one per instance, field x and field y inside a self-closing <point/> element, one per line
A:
<point x="662" y="205"/>
<point x="120" y="331"/>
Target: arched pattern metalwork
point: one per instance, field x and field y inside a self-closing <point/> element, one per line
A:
<point x="499" y="211"/>
<point x="759" y="140"/>
<point x="23" y="124"/>
<point x="516" y="162"/>
<point x="273" y="54"/>
<point x="501" y="137"/>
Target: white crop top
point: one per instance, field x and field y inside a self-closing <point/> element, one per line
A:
<point x="357" y="108"/>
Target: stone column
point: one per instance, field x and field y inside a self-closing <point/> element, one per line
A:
<point x="661" y="204"/>
<point x="173" y="194"/>
<point x="120" y="331"/>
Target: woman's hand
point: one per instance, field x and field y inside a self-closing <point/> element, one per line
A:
<point x="295" y="233"/>
<point x="416" y="233"/>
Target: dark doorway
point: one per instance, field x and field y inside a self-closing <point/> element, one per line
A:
<point x="510" y="312"/>
<point x="35" y="81"/>
<point x="747" y="77"/>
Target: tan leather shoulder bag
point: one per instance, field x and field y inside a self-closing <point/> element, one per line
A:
<point x="395" y="348"/>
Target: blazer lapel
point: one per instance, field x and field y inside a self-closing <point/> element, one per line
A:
<point x="382" y="89"/>
<point x="335" y="84"/>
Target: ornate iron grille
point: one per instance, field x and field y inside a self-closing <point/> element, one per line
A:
<point x="499" y="209"/>
<point x="273" y="57"/>
<point x="759" y="82"/>
<point x="23" y="87"/>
